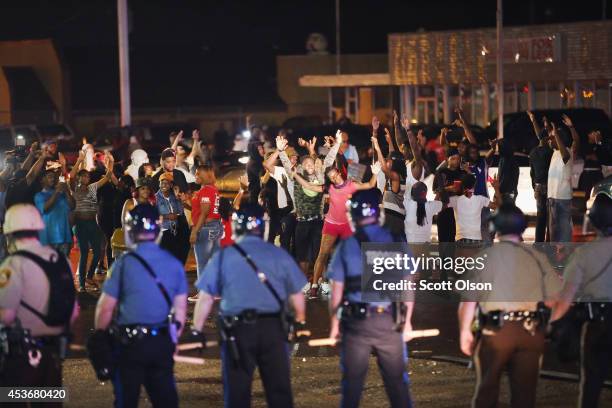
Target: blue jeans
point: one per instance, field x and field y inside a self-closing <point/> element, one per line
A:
<point x="560" y="220"/>
<point x="207" y="243"/>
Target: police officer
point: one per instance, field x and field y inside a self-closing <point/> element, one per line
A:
<point x="35" y="319"/>
<point x="511" y="317"/>
<point x="148" y="288"/>
<point x="588" y="281"/>
<point x="255" y="281"/>
<point x="366" y="327"/>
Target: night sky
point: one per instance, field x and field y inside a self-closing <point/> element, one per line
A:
<point x="213" y="52"/>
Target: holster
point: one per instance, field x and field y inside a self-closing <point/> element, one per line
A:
<point x="349" y="310"/>
<point x="227" y="334"/>
<point x="399" y="310"/>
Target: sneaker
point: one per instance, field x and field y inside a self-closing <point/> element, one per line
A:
<point x="306" y="289"/>
<point x="193" y="298"/>
<point x="313" y="292"/>
<point x="325" y="288"/>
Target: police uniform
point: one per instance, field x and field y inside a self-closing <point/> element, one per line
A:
<point x="590" y="269"/>
<point x="24" y="287"/>
<point x="512" y="321"/>
<point x="144" y="346"/>
<point x="250" y="315"/>
<point x="376" y="332"/>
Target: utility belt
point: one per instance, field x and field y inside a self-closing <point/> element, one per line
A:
<point x="133" y="333"/>
<point x="531" y="320"/>
<point x="594" y="311"/>
<point x="227" y="327"/>
<point x="361" y="311"/>
<point x="17" y="342"/>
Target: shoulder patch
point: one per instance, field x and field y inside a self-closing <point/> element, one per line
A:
<point x="5" y="277"/>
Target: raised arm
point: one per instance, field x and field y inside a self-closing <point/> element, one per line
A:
<point x="565" y="154"/>
<point x="575" y="137"/>
<point x="372" y="183"/>
<point x="496" y="202"/>
<point x="31" y="157"/>
<point x="109" y="163"/>
<point x="443" y="141"/>
<point x="270" y="162"/>
<point x="330" y="157"/>
<point x="534" y="123"/>
<point x="177" y="140"/>
<point x="36" y="168"/>
<point x="244" y="185"/>
<point x="77" y="166"/>
<point x="466" y="128"/>
<point x="381" y="160"/>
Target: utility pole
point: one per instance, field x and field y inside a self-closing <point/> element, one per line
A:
<point x="124" y="63"/>
<point x="337" y="37"/>
<point x="500" y="70"/>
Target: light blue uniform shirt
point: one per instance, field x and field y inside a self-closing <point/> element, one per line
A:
<point x="57" y="227"/>
<point x="228" y="275"/>
<point x="347" y="260"/>
<point x="140" y="300"/>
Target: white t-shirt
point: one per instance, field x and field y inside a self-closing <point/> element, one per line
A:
<point x="281" y="197"/>
<point x="467" y="215"/>
<point x="560" y="177"/>
<point x="381" y="180"/>
<point x="414" y="231"/>
<point x="190" y="178"/>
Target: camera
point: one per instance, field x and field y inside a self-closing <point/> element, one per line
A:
<point x="18" y="155"/>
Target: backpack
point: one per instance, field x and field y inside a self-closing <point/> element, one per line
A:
<point x="61" y="289"/>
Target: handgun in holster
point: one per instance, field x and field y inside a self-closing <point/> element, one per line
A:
<point x="399" y="311"/>
<point x="226" y="332"/>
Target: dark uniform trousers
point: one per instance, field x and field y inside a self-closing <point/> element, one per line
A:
<point x="17" y="372"/>
<point x="595" y="360"/>
<point x="360" y="338"/>
<point x="511" y="349"/>
<point x="261" y="344"/>
<point x="149" y="362"/>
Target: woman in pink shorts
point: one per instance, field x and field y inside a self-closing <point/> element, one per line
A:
<point x="336" y="223"/>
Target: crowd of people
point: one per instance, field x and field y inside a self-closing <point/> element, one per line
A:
<point x="303" y="189"/>
<point x="316" y="200"/>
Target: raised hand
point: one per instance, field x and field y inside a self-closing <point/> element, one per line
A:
<point x="376" y="168"/>
<point x="531" y="116"/>
<point x="61" y="159"/>
<point x="312" y="144"/>
<point x="179" y="136"/>
<point x="374" y="140"/>
<point x="281" y="143"/>
<point x="395" y="118"/>
<point x="495" y="181"/>
<point x="387" y="136"/>
<point x="244" y="181"/>
<point x="338" y="138"/>
<point x="567" y="121"/>
<point x="375" y="123"/>
<point x="81" y="155"/>
<point x="405" y="122"/>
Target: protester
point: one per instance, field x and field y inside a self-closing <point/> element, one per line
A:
<point x="54" y="202"/>
<point x="560" y="182"/>
<point x="139" y="157"/>
<point x="174" y="227"/>
<point x="168" y="164"/>
<point x="207" y="229"/>
<point x="539" y="162"/>
<point x="86" y="228"/>
<point x="348" y="150"/>
<point x="447" y="182"/>
<point x="419" y="214"/>
<point x="336" y="223"/>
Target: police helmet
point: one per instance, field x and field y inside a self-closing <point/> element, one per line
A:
<point x="142" y="224"/>
<point x="364" y="207"/>
<point x="508" y="220"/>
<point x="22" y="217"/>
<point x="600" y="213"/>
<point x="249" y="219"/>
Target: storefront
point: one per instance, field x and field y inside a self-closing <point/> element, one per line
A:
<point x="431" y="73"/>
